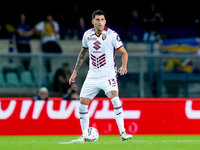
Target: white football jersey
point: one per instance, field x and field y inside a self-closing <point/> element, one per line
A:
<point x="101" y="51"/>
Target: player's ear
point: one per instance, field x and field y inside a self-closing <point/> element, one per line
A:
<point x="92" y="21"/>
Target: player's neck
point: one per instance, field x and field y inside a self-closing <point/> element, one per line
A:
<point x="98" y="32"/>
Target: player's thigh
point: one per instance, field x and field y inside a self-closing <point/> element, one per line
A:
<point x="89" y="89"/>
<point x="109" y="85"/>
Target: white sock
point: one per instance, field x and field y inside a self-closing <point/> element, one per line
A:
<point x="118" y="113"/>
<point x="84" y="117"/>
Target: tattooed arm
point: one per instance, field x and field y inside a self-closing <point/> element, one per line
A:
<point x="81" y="58"/>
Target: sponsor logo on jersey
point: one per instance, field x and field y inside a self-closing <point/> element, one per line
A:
<point x="92" y="38"/>
<point x="97" y="45"/>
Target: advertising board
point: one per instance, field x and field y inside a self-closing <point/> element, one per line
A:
<point x="22" y="116"/>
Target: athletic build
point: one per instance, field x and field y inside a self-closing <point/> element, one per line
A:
<point x="101" y="43"/>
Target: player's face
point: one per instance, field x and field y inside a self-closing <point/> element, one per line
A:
<point x="99" y="22"/>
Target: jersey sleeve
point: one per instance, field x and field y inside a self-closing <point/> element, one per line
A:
<point x="56" y="26"/>
<point x="84" y="41"/>
<point x="40" y="26"/>
<point x="116" y="41"/>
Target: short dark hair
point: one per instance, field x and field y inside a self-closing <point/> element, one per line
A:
<point x="98" y="12"/>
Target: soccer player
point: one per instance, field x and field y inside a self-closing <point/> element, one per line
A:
<point x="101" y="43"/>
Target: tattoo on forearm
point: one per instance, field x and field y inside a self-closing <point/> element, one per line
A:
<point x="79" y="62"/>
<point x="80" y="59"/>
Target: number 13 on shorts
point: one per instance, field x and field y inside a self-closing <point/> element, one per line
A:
<point x="112" y="82"/>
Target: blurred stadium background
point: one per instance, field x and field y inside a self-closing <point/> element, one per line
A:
<point x="167" y="66"/>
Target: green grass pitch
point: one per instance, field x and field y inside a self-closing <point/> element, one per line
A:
<point x="139" y="142"/>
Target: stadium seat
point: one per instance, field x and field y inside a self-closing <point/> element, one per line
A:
<point x="2" y="81"/>
<point x="35" y="73"/>
<point x="12" y="79"/>
<point x="51" y="77"/>
<point x="26" y="79"/>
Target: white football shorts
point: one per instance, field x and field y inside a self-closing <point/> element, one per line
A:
<point x="92" y="86"/>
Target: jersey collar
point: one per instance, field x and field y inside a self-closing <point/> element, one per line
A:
<point x="104" y="31"/>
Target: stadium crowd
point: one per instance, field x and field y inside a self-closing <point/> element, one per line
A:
<point x="144" y="21"/>
<point x="135" y="20"/>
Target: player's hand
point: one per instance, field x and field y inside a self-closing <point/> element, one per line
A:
<point x="122" y="70"/>
<point x="72" y="78"/>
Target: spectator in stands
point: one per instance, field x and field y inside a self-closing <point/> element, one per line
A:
<point x="78" y="20"/>
<point x="49" y="32"/>
<point x="72" y="93"/>
<point x="152" y="21"/>
<point x="76" y="27"/>
<point x="42" y="94"/>
<point x="61" y="78"/>
<point x="135" y="26"/>
<point x="22" y="41"/>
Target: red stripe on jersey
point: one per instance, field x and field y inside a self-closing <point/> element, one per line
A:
<point x="94" y="64"/>
<point x="119" y="47"/>
<point x="102" y="64"/>
<point x="93" y="59"/>
<point x="102" y="56"/>
<point x="104" y="61"/>
<point x="93" y="56"/>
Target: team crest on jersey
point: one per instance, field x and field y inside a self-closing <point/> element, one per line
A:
<point x="104" y="36"/>
<point x="118" y="38"/>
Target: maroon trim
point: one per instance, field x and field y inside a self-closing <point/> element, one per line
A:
<point x="102" y="65"/>
<point x="118" y="107"/>
<point x="105" y="28"/>
<point x="119" y="113"/>
<point x="102" y="62"/>
<point x="115" y="66"/>
<point x="83" y="113"/>
<point x="102" y="58"/>
<point x="120" y="47"/>
<point x="98" y="61"/>
<point x="93" y="56"/>
<point x="94" y="64"/>
<point x="93" y="59"/>
<point x="97" y="35"/>
<point x="102" y="55"/>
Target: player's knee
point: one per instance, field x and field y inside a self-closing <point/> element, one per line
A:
<point x="85" y="101"/>
<point x="113" y="94"/>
